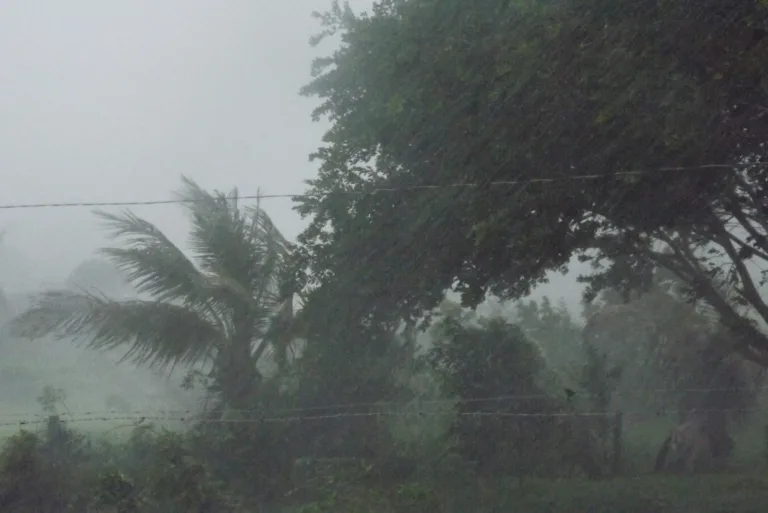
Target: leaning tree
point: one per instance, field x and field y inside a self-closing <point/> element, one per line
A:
<point x="480" y="145"/>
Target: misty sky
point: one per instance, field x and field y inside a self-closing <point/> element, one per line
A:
<point x="113" y="101"/>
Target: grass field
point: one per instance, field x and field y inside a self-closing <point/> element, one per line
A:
<point x="705" y="494"/>
<point x="642" y="441"/>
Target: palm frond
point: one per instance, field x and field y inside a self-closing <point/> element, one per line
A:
<point x="282" y="331"/>
<point x="151" y="262"/>
<point x="156" y="266"/>
<point x="272" y="252"/>
<point x="219" y="232"/>
<point x="156" y="333"/>
<point x="240" y="244"/>
<point x="243" y="252"/>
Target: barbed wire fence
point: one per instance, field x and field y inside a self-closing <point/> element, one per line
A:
<point x="142" y="417"/>
<point x="401" y="409"/>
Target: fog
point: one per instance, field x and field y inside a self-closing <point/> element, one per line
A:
<point x="113" y="102"/>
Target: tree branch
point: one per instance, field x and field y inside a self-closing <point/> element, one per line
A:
<point x="761" y="240"/>
<point x="750" y="342"/>
<point x="748" y="289"/>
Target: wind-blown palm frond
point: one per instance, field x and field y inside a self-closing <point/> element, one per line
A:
<point x="274" y="251"/>
<point x="242" y="245"/>
<point x="159" y="268"/>
<point x="157" y="333"/>
<point x="152" y="263"/>
<point x="283" y="330"/>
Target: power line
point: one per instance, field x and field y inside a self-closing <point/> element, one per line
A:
<point x="377" y="190"/>
<point x="138" y="420"/>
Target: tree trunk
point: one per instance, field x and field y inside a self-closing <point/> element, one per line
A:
<point x="701" y="443"/>
<point x="237" y="376"/>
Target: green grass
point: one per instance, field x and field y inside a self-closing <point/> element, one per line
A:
<point x="657" y="494"/>
<point x="642" y="441"/>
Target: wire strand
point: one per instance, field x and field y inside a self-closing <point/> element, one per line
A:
<point x="138" y="420"/>
<point x="376" y="190"/>
<point x="379" y="404"/>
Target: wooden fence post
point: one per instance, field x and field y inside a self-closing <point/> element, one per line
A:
<point x="766" y="442"/>
<point x="616" y="462"/>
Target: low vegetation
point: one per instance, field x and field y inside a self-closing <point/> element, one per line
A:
<point x="58" y="469"/>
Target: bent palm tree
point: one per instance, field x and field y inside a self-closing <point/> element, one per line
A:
<point x="218" y="309"/>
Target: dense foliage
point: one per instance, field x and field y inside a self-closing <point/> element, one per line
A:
<point x="538" y="106"/>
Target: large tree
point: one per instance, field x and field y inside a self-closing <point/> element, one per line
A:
<point x="552" y="99"/>
<point x="219" y="307"/>
<point x="478" y="363"/>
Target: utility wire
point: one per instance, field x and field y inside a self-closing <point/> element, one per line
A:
<point x="380" y="404"/>
<point x="377" y="190"/>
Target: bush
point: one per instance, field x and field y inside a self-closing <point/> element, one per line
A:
<point x="49" y="473"/>
<point x="60" y="471"/>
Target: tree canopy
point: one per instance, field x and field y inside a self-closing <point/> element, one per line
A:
<point x="610" y="130"/>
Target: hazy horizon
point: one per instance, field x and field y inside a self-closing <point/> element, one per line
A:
<point x="115" y="101"/>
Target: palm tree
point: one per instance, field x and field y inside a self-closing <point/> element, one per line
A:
<point x="224" y="308"/>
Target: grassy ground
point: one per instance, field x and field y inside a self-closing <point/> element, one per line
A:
<point x="707" y="494"/>
<point x="642" y="441"/>
<point x="744" y="489"/>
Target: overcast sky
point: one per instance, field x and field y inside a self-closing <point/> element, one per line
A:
<point x="113" y="101"/>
